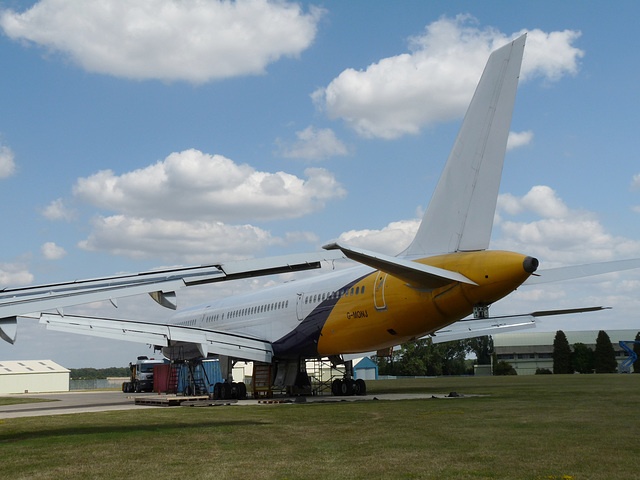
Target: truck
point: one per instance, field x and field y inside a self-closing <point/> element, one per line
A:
<point x="141" y="375"/>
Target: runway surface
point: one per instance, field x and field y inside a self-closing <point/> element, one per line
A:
<point x="84" y="402"/>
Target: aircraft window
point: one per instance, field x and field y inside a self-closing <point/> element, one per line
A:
<point x="362" y="290"/>
<point x="287" y="304"/>
<point x="351" y="293"/>
<point x="357" y="290"/>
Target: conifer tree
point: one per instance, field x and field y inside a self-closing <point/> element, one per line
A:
<point x="605" y="355"/>
<point x="561" y="354"/>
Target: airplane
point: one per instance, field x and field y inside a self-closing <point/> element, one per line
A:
<point x="444" y="276"/>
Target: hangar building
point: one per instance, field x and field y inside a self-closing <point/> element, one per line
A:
<point x="531" y="350"/>
<point x="30" y="376"/>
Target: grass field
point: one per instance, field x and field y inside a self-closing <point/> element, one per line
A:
<point x="538" y="427"/>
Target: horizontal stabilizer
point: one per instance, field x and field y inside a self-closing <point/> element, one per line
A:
<point x="207" y="341"/>
<point x="472" y="327"/>
<point x="580" y="271"/>
<point x="416" y="274"/>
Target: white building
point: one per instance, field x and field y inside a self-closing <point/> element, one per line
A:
<point x="528" y="351"/>
<point x="33" y="376"/>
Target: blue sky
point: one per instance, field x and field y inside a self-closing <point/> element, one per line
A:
<point x="141" y="134"/>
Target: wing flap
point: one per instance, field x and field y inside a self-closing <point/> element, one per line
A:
<point x="416" y="274"/>
<point x="479" y="328"/>
<point x="214" y="342"/>
<point x="472" y="328"/>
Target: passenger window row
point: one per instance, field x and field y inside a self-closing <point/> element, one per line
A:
<point x="344" y="292"/>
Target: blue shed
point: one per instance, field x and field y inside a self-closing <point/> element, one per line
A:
<point x="365" y="369"/>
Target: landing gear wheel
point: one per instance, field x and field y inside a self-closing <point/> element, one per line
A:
<point x="336" y="387"/>
<point x="217" y="391"/>
<point x="348" y="387"/>
<point x="226" y="391"/>
<point x="361" y="387"/>
<point x="242" y="391"/>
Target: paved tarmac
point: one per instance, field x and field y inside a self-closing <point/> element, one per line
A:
<point x="83" y="402"/>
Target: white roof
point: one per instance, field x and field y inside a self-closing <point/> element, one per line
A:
<point x="546" y="338"/>
<point x="29" y="366"/>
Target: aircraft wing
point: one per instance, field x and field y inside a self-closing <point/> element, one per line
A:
<point x="207" y="341"/>
<point x="579" y="271"/>
<point x="473" y="327"/>
<point x="160" y="284"/>
<point x="416" y="274"/>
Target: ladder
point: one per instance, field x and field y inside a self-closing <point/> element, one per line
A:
<point x="262" y="380"/>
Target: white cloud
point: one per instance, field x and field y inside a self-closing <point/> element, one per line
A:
<point x="175" y="240"/>
<point x="7" y="163"/>
<point x="170" y="40"/>
<point x="12" y="275"/>
<point x="391" y="240"/>
<point x="559" y="235"/>
<point x="435" y="81"/>
<point x="51" y="251"/>
<point x="56" y="210"/>
<point x="635" y="184"/>
<point x="187" y="208"/>
<point x="314" y="144"/>
<point x="520" y="139"/>
<point x="192" y="185"/>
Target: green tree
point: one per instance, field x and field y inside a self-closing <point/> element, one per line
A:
<point x="424" y="358"/>
<point x="582" y="358"/>
<point x="561" y="354"/>
<point x="605" y="355"/>
<point x="636" y="349"/>
<point x="504" y="368"/>
<point x="482" y="347"/>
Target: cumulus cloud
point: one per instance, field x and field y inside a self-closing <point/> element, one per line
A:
<point x="520" y="139"/>
<point x="557" y="235"/>
<point x="7" y="163"/>
<point x="57" y="210"/>
<point x="192" y="185"/>
<point x="391" y="240"/>
<point x="435" y="80"/>
<point x="314" y="144"/>
<point x="51" y="251"/>
<point x="167" y="39"/>
<point x="12" y="275"/>
<point x="635" y="183"/>
<point x="191" y="242"/>
<point x="190" y="208"/>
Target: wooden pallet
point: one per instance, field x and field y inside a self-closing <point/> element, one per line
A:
<point x="168" y="400"/>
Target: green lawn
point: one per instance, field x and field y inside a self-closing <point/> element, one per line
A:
<point x="539" y="427"/>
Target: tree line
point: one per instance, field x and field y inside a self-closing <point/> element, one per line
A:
<point x="424" y="358"/>
<point x="582" y="359"/>
<point x="98" y="373"/>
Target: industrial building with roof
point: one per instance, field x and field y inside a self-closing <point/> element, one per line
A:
<point x="529" y="351"/>
<point x="33" y="376"/>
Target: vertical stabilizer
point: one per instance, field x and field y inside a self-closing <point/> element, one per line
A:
<point x="460" y="214"/>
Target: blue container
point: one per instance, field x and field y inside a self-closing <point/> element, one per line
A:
<point x="208" y="371"/>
